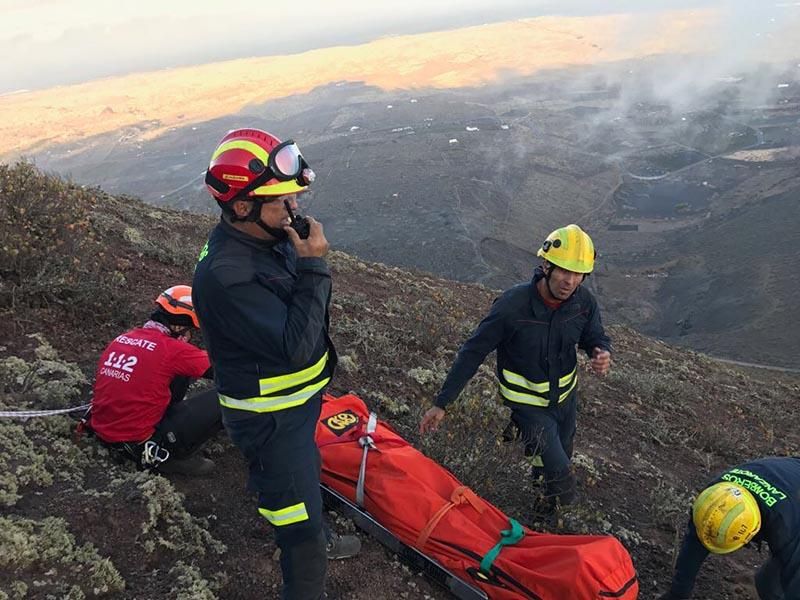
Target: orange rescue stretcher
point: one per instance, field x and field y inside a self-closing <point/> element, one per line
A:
<point x="420" y="510"/>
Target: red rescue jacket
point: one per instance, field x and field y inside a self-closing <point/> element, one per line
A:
<point x="131" y="390"/>
<point x="427" y="508"/>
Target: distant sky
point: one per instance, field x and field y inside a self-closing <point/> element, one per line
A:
<point x="54" y="42"/>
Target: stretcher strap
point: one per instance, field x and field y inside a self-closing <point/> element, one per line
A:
<point x="460" y="495"/>
<point x="355" y="434"/>
<point x="508" y="537"/>
<point x="366" y="442"/>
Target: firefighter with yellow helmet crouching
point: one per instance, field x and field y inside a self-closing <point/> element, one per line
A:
<point x="757" y="501"/>
<point x="262" y="289"/>
<point x="535" y="328"/>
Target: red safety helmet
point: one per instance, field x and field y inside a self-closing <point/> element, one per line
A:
<point x="177" y="301"/>
<point x="252" y="162"/>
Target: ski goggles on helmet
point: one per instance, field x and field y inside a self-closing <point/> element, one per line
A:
<point x="285" y="163"/>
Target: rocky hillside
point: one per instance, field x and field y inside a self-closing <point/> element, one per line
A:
<point x="77" y="266"/>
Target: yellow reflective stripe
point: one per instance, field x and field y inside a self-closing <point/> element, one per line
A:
<point x="285" y="516"/>
<point x="565" y="379"/>
<point x="564" y="395"/>
<point x="722" y="536"/>
<point x="522" y="398"/>
<point x="279" y="189"/>
<point x="536" y="461"/>
<point x="250" y="147"/>
<point x="270" y="385"/>
<point x="533" y="400"/>
<point x="269" y="404"/>
<point x="539" y="388"/>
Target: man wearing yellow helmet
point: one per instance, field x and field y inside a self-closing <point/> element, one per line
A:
<point x="535" y="328"/>
<point x="755" y="501"/>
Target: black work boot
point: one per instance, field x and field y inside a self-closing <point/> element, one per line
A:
<point x="195" y="465"/>
<point x="342" y="546"/>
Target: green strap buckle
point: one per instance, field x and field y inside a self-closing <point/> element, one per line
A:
<point x="508" y="537"/>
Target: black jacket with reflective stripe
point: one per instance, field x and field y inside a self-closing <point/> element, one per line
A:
<point x="775" y="484"/>
<point x="262" y="309"/>
<point x="531" y="339"/>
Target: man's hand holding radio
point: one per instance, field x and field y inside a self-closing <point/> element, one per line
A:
<point x="315" y="245"/>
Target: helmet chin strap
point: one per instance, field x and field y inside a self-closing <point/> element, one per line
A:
<point x="278" y="234"/>
<point x="254" y="216"/>
<point x="547" y="272"/>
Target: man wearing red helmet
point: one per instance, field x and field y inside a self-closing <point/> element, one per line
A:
<point x="142" y="377"/>
<point x="262" y="290"/>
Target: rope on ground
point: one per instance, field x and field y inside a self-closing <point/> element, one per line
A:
<point x="27" y="414"/>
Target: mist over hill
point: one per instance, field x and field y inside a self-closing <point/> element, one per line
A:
<point x="664" y="134"/>
<point x="672" y="183"/>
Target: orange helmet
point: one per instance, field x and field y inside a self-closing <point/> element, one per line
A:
<point x="252" y="162"/>
<point x="177" y="301"/>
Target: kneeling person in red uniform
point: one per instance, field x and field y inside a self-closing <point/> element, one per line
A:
<point x="142" y="377"/>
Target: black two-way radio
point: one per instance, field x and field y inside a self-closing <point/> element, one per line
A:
<point x="299" y="223"/>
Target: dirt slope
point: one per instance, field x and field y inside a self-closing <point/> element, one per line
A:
<point x="77" y="266"/>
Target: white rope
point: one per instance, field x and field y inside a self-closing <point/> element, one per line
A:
<point x="27" y="414"/>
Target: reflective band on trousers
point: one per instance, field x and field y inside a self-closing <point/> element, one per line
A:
<point x="285" y="516"/>
<point x="538" y="391"/>
<point x="270" y="388"/>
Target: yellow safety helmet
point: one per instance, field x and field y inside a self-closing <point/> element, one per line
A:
<point x="570" y="248"/>
<point x="726" y="517"/>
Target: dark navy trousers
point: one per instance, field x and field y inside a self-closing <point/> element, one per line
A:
<point x="548" y="434"/>
<point x="284" y="469"/>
